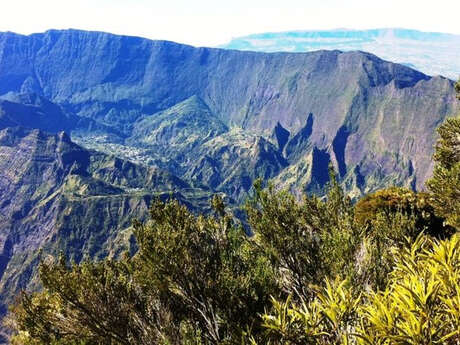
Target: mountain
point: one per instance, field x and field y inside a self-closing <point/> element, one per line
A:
<point x="429" y="52"/>
<point x="205" y="150"/>
<point x="94" y="125"/>
<point x="33" y="111"/>
<point x="373" y="119"/>
<point x="176" y="132"/>
<point x="57" y="196"/>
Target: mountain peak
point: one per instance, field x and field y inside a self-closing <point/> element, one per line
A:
<point x="192" y="103"/>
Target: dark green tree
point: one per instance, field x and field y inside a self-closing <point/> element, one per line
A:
<point x="388" y="202"/>
<point x="304" y="241"/>
<point x="206" y="271"/>
<point x="194" y="280"/>
<point x="445" y="183"/>
<point x="90" y="303"/>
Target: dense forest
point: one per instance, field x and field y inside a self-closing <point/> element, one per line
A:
<point x="382" y="270"/>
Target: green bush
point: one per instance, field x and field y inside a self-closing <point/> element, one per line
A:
<point x="390" y="201"/>
<point x="421" y="303"/>
<point x="445" y="183"/>
<point x="419" y="306"/>
<point x="194" y="280"/>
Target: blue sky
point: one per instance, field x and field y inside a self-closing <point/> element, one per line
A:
<point x="208" y="22"/>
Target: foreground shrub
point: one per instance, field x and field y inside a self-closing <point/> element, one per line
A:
<point x="205" y="270"/>
<point x="389" y="201"/>
<point x="91" y="303"/>
<point x="194" y="280"/>
<point x="445" y="183"/>
<point x="305" y="241"/>
<point x="419" y="306"/>
<point x="324" y="320"/>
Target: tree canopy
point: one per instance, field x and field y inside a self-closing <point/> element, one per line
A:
<point x="445" y="183"/>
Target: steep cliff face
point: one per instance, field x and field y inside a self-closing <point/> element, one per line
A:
<point x="58" y="196"/>
<point x="115" y="79"/>
<point x="367" y="114"/>
<point x="230" y="162"/>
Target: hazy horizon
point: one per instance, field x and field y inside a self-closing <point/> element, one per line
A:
<point x="223" y="44"/>
<point x="207" y="23"/>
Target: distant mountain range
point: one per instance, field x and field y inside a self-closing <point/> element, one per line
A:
<point x="93" y="126"/>
<point x="429" y="52"/>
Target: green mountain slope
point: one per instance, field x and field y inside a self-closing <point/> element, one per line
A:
<point x="58" y="196"/>
<point x="367" y="115"/>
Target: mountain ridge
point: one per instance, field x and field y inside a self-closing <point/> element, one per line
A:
<point x="118" y="80"/>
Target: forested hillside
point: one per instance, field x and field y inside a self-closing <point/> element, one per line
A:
<point x="385" y="270"/>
